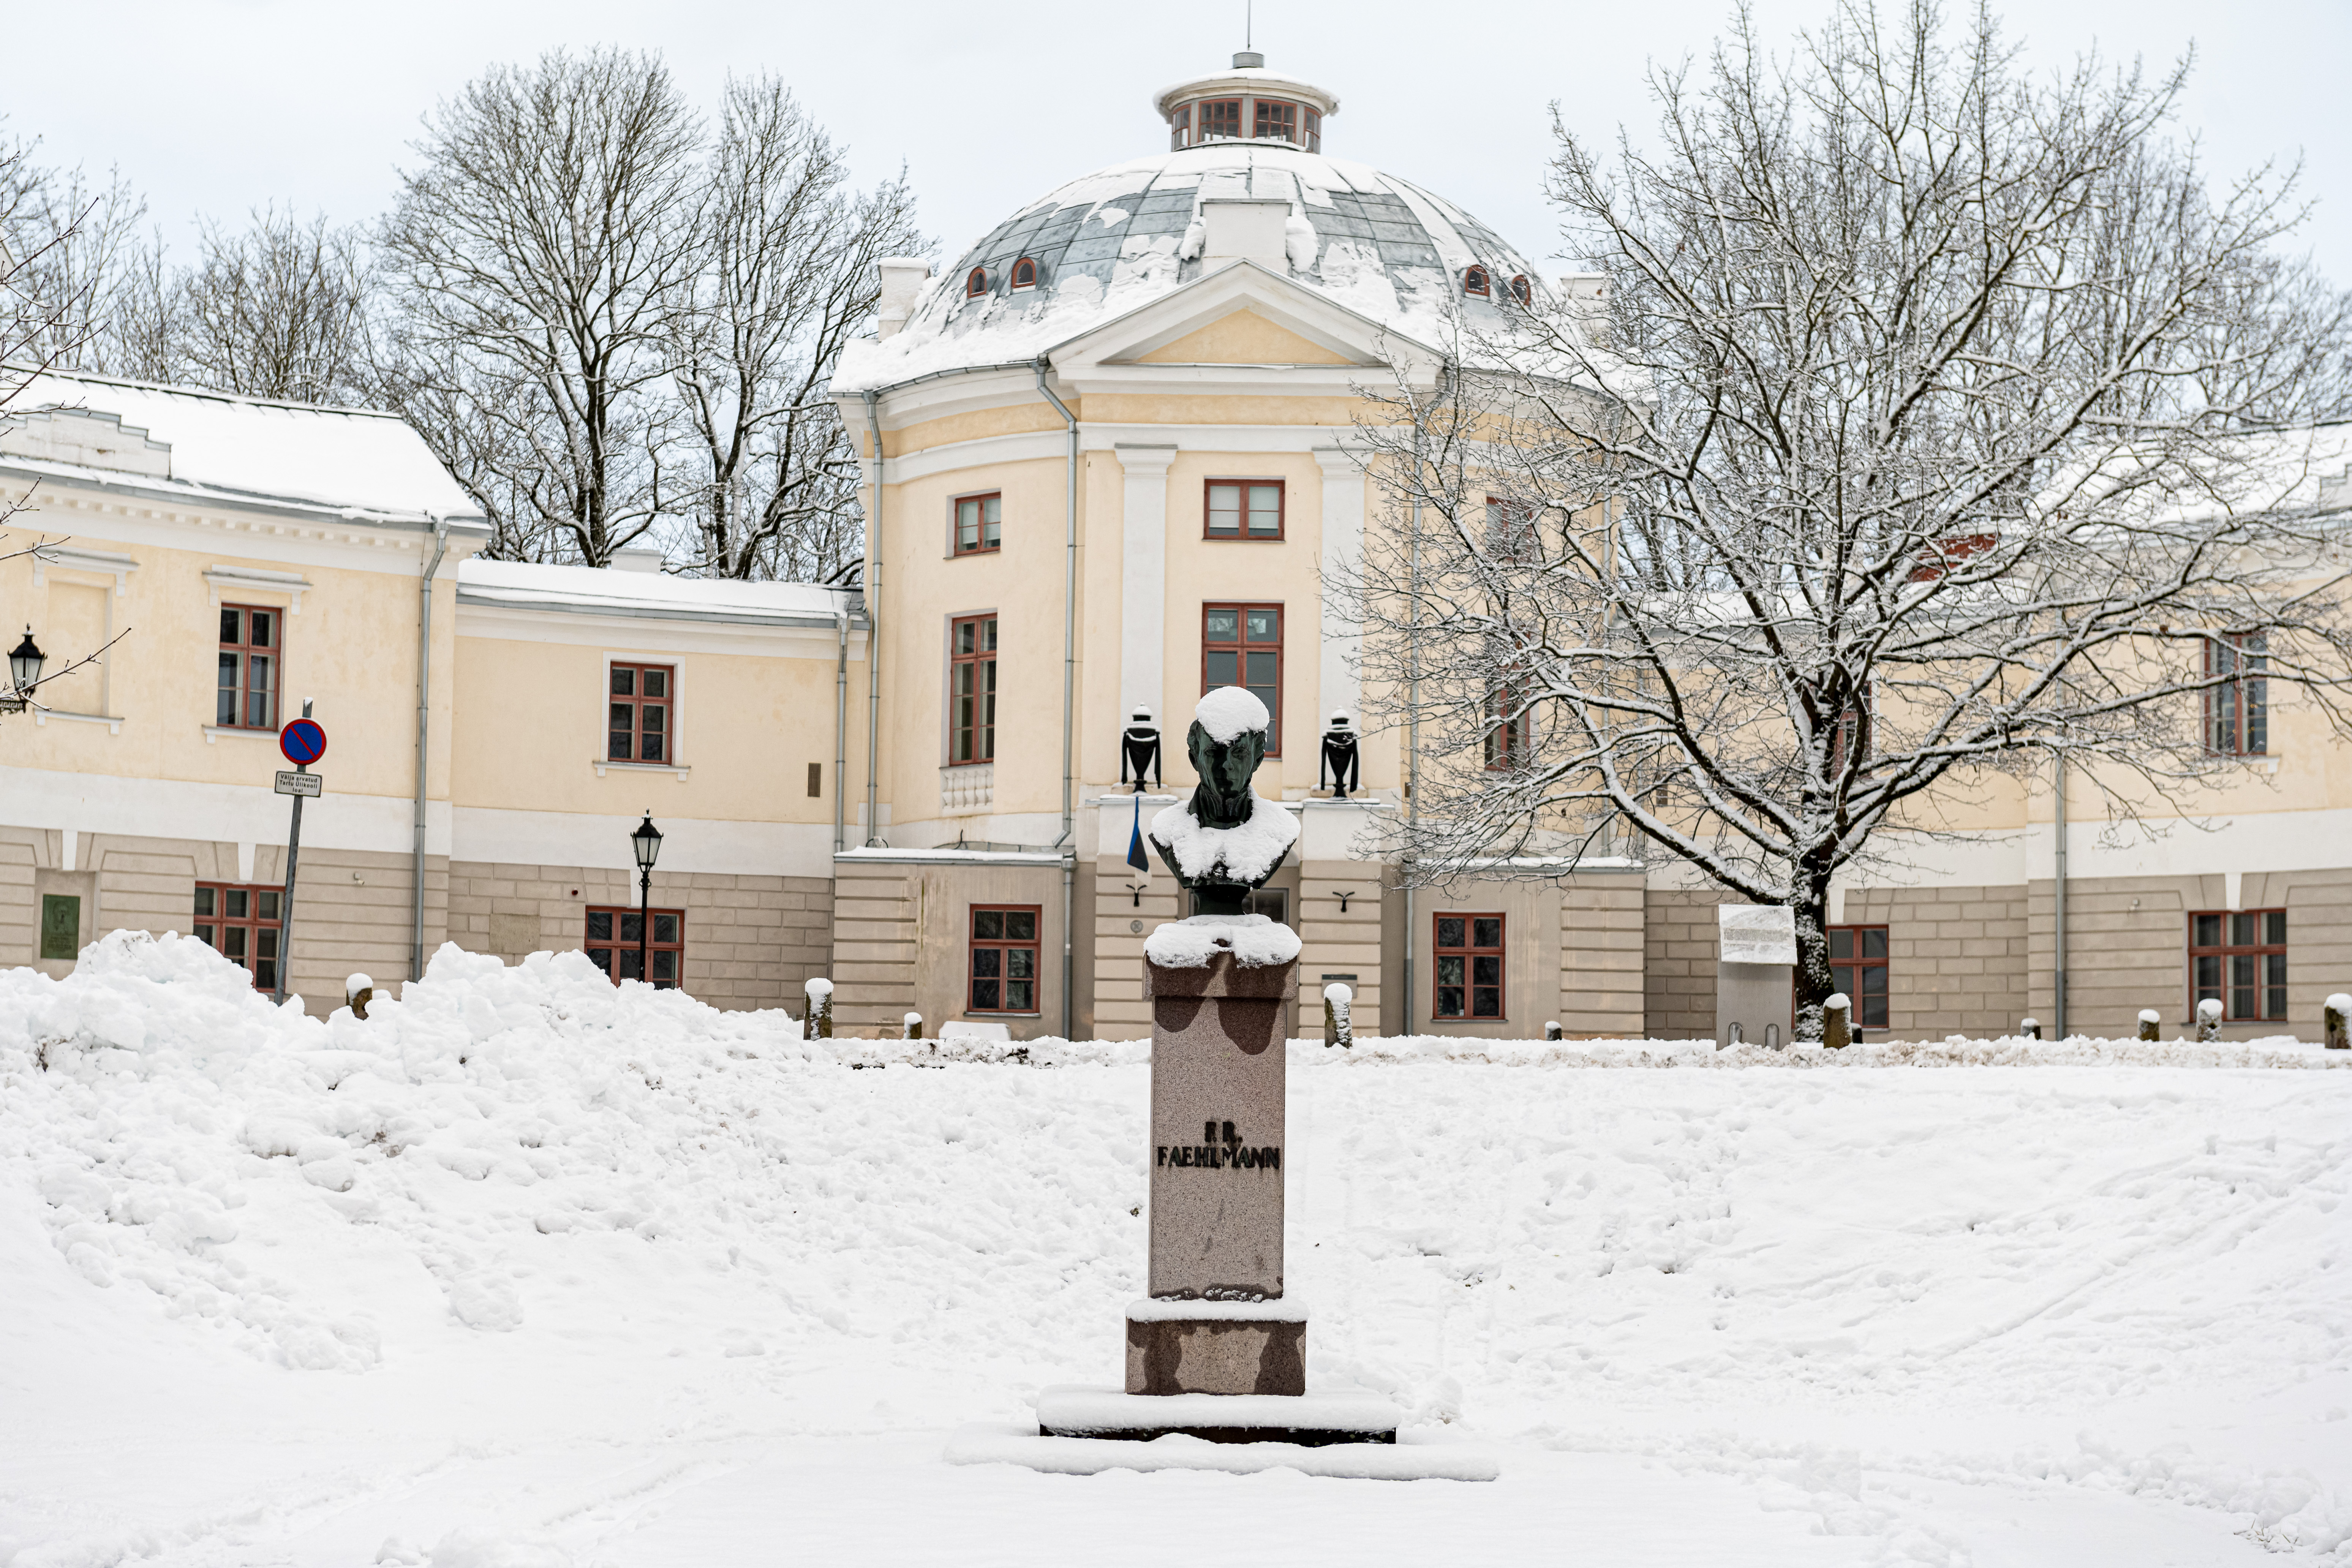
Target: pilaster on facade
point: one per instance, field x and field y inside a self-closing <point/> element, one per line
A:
<point x="1343" y="537"/>
<point x="1143" y="574"/>
<point x="1128" y="904"/>
<point x="1340" y="925"/>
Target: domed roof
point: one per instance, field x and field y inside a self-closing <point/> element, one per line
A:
<point x="1112" y="240"/>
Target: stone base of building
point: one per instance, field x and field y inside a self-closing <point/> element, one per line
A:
<point x="1307" y="1421"/>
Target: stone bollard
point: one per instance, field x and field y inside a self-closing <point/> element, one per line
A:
<point x="2148" y="1019"/>
<point x="1339" y="1027"/>
<point x="818" y="1026"/>
<point x="914" y="1022"/>
<point x="2029" y="1028"/>
<point x="2209" y="1018"/>
<point x="1551" y="1031"/>
<point x="2336" y="1023"/>
<point x="358" y="992"/>
<point x="1837" y="1021"/>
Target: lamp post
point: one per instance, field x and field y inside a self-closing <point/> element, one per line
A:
<point x="646" y="844"/>
<point x="25" y="661"/>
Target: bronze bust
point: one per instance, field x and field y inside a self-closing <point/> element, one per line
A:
<point x="1222" y="799"/>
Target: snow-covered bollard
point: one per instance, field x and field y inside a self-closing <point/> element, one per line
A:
<point x="2209" y="1018"/>
<point x="2335" y="1022"/>
<point x="358" y="992"/>
<point x="2148" y="1019"/>
<point x="914" y="1023"/>
<point x="1837" y="1021"/>
<point x="818" y="1025"/>
<point x="1338" y="1027"/>
<point x="2029" y="1028"/>
<point x="1551" y="1031"/>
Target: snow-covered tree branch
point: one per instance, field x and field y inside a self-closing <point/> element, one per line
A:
<point x="1931" y="423"/>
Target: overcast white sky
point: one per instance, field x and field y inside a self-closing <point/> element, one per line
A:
<point x="216" y="106"/>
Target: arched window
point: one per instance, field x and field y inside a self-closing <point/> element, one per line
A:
<point x="1522" y="290"/>
<point x="1024" y="274"/>
<point x="975" y="283"/>
<point x="1474" y="282"/>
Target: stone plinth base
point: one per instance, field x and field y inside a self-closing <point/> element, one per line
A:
<point x="998" y="1444"/>
<point x="1309" y="1421"/>
<point x="1216" y="1347"/>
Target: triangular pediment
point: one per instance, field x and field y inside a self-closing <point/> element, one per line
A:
<point x="1244" y="337"/>
<point x="1243" y="314"/>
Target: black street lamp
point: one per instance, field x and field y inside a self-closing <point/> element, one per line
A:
<point x="25" y="661"/>
<point x="646" y="844"/>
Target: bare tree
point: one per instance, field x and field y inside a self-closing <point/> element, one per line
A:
<point x="279" y="309"/>
<point x="532" y="250"/>
<point x="783" y="273"/>
<point x="60" y="237"/>
<point x="1935" y="427"/>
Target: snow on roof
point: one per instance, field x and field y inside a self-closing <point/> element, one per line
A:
<point x="220" y="445"/>
<point x="530" y="585"/>
<point x="1108" y="242"/>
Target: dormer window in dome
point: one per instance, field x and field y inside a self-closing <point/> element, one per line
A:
<point x="1248" y="104"/>
<point x="1473" y="282"/>
<point x="1522" y="290"/>
<point x="1024" y="274"/>
<point x="975" y="283"/>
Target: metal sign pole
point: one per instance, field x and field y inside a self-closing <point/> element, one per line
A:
<point x="285" y="900"/>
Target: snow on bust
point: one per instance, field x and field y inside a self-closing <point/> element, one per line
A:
<point x="1231" y="711"/>
<point x="1246" y="854"/>
<point x="1255" y="941"/>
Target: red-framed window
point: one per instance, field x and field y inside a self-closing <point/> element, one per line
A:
<point x="1511" y="533"/>
<point x="1469" y="954"/>
<point x="2238" y="710"/>
<point x="1024" y="273"/>
<point x="612" y="946"/>
<point x="2240" y="958"/>
<point x="1241" y="645"/>
<point x="1522" y="290"/>
<point x="1220" y="118"/>
<point x="1936" y="559"/>
<point x="1475" y="281"/>
<point x="1276" y="121"/>
<point x="1858" y="968"/>
<point x="638" y="714"/>
<point x="1180" y="128"/>
<point x="1003" y="965"/>
<point x="979" y="523"/>
<point x="1314" y="130"/>
<point x="1243" y="509"/>
<point x="252" y="640"/>
<point x="1851" y="729"/>
<point x="1510" y="733"/>
<point x="972" y="691"/>
<point x="975" y="283"/>
<point x="242" y="924"/>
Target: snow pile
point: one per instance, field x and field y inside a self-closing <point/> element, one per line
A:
<point x="1255" y="940"/>
<point x="1230" y="711"/>
<point x="538" y="1269"/>
<point x="1246" y="854"/>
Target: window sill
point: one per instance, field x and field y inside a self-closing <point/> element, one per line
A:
<point x="113" y="724"/>
<point x="601" y="765"/>
<point x="236" y="732"/>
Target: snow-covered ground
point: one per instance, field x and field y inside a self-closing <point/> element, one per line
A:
<point x="523" y="1271"/>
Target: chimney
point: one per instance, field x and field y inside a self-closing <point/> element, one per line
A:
<point x="1246" y="228"/>
<point x="902" y="278"/>
<point x="1587" y="296"/>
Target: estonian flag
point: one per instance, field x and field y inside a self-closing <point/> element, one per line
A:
<point x="1135" y="841"/>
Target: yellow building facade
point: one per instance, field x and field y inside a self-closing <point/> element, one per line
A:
<point x="1113" y="457"/>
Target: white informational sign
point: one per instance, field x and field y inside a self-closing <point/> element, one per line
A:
<point x="293" y="782"/>
<point x="1756" y="933"/>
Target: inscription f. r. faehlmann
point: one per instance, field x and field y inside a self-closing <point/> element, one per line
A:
<point x="1220" y="1149"/>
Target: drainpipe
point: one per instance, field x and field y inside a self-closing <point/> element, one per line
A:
<point x="2058" y="900"/>
<point x="1412" y="751"/>
<point x="1069" y="684"/>
<point x="841" y="737"/>
<point x="424" y="715"/>
<point x="873" y="635"/>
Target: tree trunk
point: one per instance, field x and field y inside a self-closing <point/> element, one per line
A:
<point x="1811" y="982"/>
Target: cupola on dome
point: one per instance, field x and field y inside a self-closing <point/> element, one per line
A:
<point x="1245" y="146"/>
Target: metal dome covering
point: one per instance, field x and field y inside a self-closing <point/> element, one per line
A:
<point x="1111" y="240"/>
